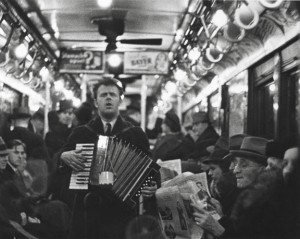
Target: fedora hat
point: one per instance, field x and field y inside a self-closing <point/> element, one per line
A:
<point x="21" y="112"/>
<point x="200" y="117"/>
<point x="3" y="148"/>
<point x="235" y="142"/>
<point x="254" y="149"/>
<point x="219" y="151"/>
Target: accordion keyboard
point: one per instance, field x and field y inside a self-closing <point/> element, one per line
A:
<point x="80" y="179"/>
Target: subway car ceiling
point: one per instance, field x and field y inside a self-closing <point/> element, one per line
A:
<point x="180" y="53"/>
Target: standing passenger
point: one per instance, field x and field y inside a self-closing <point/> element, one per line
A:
<point x="106" y="218"/>
<point x="60" y="126"/>
<point x="36" y="148"/>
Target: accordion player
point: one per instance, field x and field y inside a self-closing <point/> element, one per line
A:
<point x="113" y="163"/>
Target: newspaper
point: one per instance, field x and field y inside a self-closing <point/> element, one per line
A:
<point x="176" y="215"/>
<point x="174" y="199"/>
<point x="200" y="179"/>
<point x="174" y="164"/>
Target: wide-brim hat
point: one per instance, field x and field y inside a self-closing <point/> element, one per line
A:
<point x="235" y="143"/>
<point x="20" y="112"/>
<point x="254" y="149"/>
<point x="3" y="148"/>
<point x="219" y="151"/>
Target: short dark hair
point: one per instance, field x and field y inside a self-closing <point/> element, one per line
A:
<point x="108" y="82"/>
<point x="16" y="142"/>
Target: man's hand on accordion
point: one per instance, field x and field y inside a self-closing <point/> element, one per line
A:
<point x="73" y="159"/>
<point x="149" y="191"/>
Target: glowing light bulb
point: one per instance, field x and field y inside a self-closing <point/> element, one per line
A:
<point x="219" y="18"/>
<point x="104" y="3"/>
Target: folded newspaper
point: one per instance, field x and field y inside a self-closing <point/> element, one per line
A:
<point x="176" y="213"/>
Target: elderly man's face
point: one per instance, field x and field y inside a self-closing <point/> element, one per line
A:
<point x="3" y="161"/>
<point x="246" y="171"/>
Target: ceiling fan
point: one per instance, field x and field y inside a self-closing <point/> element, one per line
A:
<point x="112" y="27"/>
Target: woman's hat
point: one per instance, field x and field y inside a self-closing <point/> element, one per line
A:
<point x="20" y="112"/>
<point x="254" y="149"/>
<point x="172" y="120"/>
<point x="3" y="148"/>
<point x="64" y="105"/>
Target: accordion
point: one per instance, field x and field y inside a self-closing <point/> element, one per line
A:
<point x="131" y="168"/>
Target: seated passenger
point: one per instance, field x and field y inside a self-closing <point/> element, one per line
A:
<point x="38" y="215"/>
<point x="32" y="180"/>
<point x="222" y="182"/>
<point x="203" y="135"/>
<point x="171" y="143"/>
<point x="36" y="148"/>
<point x="253" y="216"/>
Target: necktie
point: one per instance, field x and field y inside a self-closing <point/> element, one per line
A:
<point x="108" y="129"/>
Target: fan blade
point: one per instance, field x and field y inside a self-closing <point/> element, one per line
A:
<point x="79" y="40"/>
<point x="150" y="41"/>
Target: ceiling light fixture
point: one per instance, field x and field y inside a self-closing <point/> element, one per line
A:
<point x="114" y="60"/>
<point x="194" y="54"/>
<point x="104" y="3"/>
<point x="21" y="51"/>
<point x="219" y="19"/>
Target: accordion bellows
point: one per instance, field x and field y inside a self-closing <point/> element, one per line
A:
<point x="132" y="168"/>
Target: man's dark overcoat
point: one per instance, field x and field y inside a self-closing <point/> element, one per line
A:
<point x="113" y="214"/>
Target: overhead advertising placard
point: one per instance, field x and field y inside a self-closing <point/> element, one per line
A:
<point x="80" y="61"/>
<point x="146" y="63"/>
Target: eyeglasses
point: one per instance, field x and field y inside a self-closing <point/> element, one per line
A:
<point x="242" y="164"/>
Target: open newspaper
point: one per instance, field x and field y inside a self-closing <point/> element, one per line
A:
<point x="173" y="164"/>
<point x="176" y="213"/>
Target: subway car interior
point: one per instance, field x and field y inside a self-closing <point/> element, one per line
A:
<point x="236" y="60"/>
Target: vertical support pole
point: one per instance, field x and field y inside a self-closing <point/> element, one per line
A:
<point x="83" y="88"/>
<point x="143" y="102"/>
<point x="179" y="108"/>
<point x="47" y="106"/>
<point x="143" y="126"/>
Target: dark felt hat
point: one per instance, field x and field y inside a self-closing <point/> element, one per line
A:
<point x="172" y="120"/>
<point x="20" y="112"/>
<point x="254" y="149"/>
<point x="65" y="105"/>
<point x="3" y="148"/>
<point x="235" y="143"/>
<point x="220" y="150"/>
<point x="200" y="117"/>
